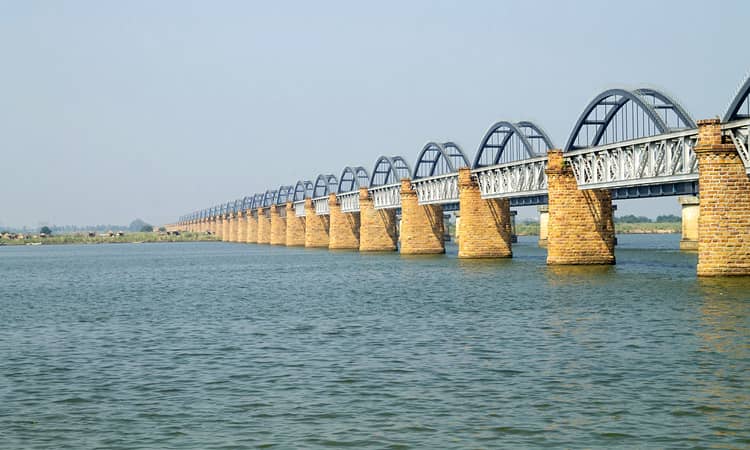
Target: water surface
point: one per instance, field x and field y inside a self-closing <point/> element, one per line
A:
<point x="216" y="345"/>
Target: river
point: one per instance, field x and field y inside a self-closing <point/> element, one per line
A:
<point x="224" y="346"/>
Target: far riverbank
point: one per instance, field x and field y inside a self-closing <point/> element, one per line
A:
<point x="127" y="238"/>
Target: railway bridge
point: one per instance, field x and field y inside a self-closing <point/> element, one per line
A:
<point x="627" y="143"/>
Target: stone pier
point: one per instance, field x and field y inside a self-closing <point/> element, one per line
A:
<point x="316" y="227"/>
<point x="295" y="227"/>
<point x="225" y="220"/>
<point x="421" y="226"/>
<point x="278" y="227"/>
<point x="724" y="223"/>
<point x="252" y="227"/>
<point x="485" y="224"/>
<point x="264" y="227"/>
<point x="242" y="226"/>
<point x="690" y="213"/>
<point x="377" y="229"/>
<point x="219" y="225"/>
<point x="581" y="227"/>
<point x="344" y="227"/>
<point x="232" y="228"/>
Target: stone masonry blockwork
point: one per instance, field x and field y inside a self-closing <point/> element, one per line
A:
<point x="422" y="230"/>
<point x="724" y="220"/>
<point x="581" y="227"/>
<point x="295" y="227"/>
<point x="485" y="224"/>
<point x="377" y="229"/>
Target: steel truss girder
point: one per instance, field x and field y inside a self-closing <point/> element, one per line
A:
<point x="662" y="159"/>
<point x="439" y="189"/>
<point x="299" y="208"/>
<point x="738" y="132"/>
<point x="349" y="201"/>
<point x="387" y="196"/>
<point x="517" y="179"/>
<point x="321" y="206"/>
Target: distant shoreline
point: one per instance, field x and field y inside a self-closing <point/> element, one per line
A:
<point x="127" y="238"/>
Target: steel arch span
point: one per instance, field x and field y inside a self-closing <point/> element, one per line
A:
<point x="353" y="178"/>
<point x="389" y="170"/>
<point x="302" y="190"/>
<point x="739" y="108"/>
<point x="284" y="194"/>
<point x="269" y="198"/>
<point x="324" y="185"/>
<point x="507" y="142"/>
<point x="618" y="115"/>
<point x="439" y="159"/>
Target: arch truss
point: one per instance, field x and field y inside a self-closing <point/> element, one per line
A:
<point x="324" y="185"/>
<point x="632" y="138"/>
<point x="302" y="190"/>
<point x="435" y="177"/>
<point x="737" y="122"/>
<point x="511" y="161"/>
<point x="385" y="182"/>
<point x="352" y="178"/>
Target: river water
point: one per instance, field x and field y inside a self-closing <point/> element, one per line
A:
<point x="215" y="345"/>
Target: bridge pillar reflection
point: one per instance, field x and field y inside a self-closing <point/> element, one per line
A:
<point x="581" y="227"/>
<point x="344" y="227"/>
<point x="421" y="225"/>
<point x="295" y="227"/>
<point x="252" y="227"/>
<point x="690" y="213"/>
<point x="724" y="224"/>
<point x="377" y="229"/>
<point x="316" y="227"/>
<point x="264" y="227"/>
<point x="485" y="224"/>
<point x="278" y="227"/>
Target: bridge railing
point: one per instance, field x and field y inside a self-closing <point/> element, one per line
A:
<point x="662" y="159"/>
<point x="321" y="206"/>
<point x="387" y="196"/>
<point x="515" y="179"/>
<point x="349" y="201"/>
<point x="438" y="189"/>
<point x="738" y="131"/>
<point x="299" y="208"/>
<point x="281" y="209"/>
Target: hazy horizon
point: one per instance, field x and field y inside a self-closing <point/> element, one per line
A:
<point x="116" y="111"/>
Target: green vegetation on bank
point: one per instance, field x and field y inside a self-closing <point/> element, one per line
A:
<point x="137" y="237"/>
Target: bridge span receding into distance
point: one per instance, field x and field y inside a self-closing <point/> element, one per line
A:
<point x="627" y="143"/>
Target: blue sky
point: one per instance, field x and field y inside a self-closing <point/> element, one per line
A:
<point x="116" y="110"/>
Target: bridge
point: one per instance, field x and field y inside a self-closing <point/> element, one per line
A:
<point x="627" y="143"/>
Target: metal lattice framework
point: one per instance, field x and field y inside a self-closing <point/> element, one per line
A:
<point x="511" y="160"/>
<point x="352" y="178"/>
<point x="324" y="185"/>
<point x="737" y="122"/>
<point x="302" y="190"/>
<point x="284" y="194"/>
<point x="619" y="115"/>
<point x="385" y="183"/>
<point x="435" y="177"/>
<point x="507" y="142"/>
<point x="662" y="159"/>
<point x="631" y="138"/>
<point x="636" y="143"/>
<point x="739" y="108"/>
